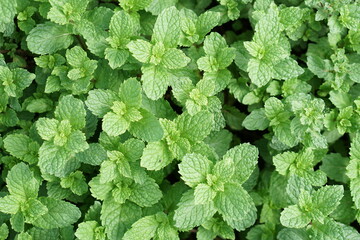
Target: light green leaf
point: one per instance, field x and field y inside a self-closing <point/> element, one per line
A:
<point x="148" y="128"/>
<point x="65" y="162"/>
<point x="143" y="229"/>
<point x="22" y="147"/>
<point x="100" y="101"/>
<point x="60" y="214"/>
<point x="283" y="161"/>
<point x="47" y="128"/>
<point x="236" y="206"/>
<point x="122" y="27"/>
<point x="260" y="72"/>
<point x="245" y="157"/>
<point x="49" y="38"/>
<point x="189" y="215"/>
<point x="327" y="198"/>
<point x="34" y="209"/>
<point x="287" y="68"/>
<point x="21" y="182"/>
<point x="194" y="169"/>
<point x="146" y="194"/>
<point x="207" y="21"/>
<point x="8" y="10"/>
<point x="256" y="120"/>
<point x="116" y="57"/>
<point x="114" y="125"/>
<point x="9" y="204"/>
<point x="167" y="27"/>
<point x="71" y="109"/>
<point x="293" y="217"/>
<point x="90" y="230"/>
<point x="330" y="230"/>
<point x="155" y="81"/>
<point x="131" y="93"/>
<point x="141" y="50"/>
<point x="196" y="127"/>
<point x="156" y="156"/>
<point x="174" y="59"/>
<point x="66" y="11"/>
<point x="203" y="194"/>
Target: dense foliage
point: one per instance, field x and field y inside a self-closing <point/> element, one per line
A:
<point x="179" y="119"/>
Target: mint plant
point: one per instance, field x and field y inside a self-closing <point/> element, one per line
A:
<point x="179" y="119"/>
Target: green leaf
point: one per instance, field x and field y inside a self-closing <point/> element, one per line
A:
<point x="49" y="38"/>
<point x="260" y="72"/>
<point x="65" y="162"/>
<point x="146" y="194"/>
<point x="99" y="101"/>
<point x="236" y="206"/>
<point x="21" y="182"/>
<point x="194" y="168"/>
<point x="90" y="230"/>
<point x="141" y="50"/>
<point x="114" y="125"/>
<point x="196" y="127"/>
<point x="130" y="93"/>
<point x="60" y="214"/>
<point x="189" y="215"/>
<point x="116" y="57"/>
<point x="94" y="155"/>
<point x="118" y="218"/>
<point x="294" y="234"/>
<point x="203" y="194"/>
<point x="334" y="165"/>
<point x="22" y="147"/>
<point x="245" y="157"/>
<point x="155" y="81"/>
<point x="167" y="27"/>
<point x="156" y="156"/>
<point x="143" y="229"/>
<point x="256" y="120"/>
<point x="293" y="217"/>
<point x="17" y="222"/>
<point x="47" y="128"/>
<point x="174" y="59"/>
<point x="4" y="231"/>
<point x="71" y="109"/>
<point x="327" y="198"/>
<point x="8" y="8"/>
<point x="148" y="128"/>
<point x="76" y="182"/>
<point x="9" y="204"/>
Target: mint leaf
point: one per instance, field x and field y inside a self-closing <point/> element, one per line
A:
<point x="199" y="213"/>
<point x="167" y="27"/>
<point x="60" y="214"/>
<point x="21" y="182"/>
<point x="194" y="169"/>
<point x="228" y="202"/>
<point x="49" y="38"/>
